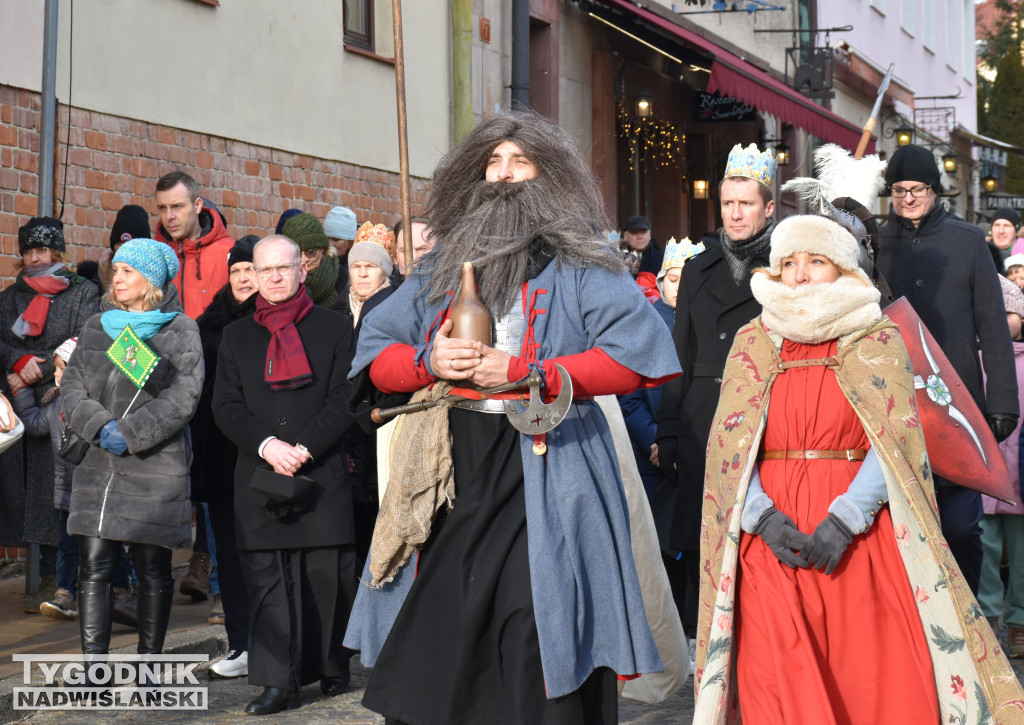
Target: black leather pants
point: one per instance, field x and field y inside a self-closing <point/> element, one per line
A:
<point x="97" y="563"/>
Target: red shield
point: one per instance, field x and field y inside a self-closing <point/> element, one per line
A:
<point x="960" y="445"/>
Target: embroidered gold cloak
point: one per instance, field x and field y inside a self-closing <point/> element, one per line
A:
<point x="972" y="675"/>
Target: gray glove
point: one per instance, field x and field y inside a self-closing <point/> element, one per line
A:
<point x="783" y="537"/>
<point x="826" y="545"/>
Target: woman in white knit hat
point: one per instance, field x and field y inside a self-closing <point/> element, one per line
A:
<point x="829" y="595"/>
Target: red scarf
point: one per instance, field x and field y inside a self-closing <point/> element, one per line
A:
<point x="287" y="366"/>
<point x="33" y="319"/>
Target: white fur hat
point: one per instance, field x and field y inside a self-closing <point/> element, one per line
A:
<point x="815" y="235"/>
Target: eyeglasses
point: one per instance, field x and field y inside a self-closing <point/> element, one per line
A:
<point x="915" y="191"/>
<point x="285" y="270"/>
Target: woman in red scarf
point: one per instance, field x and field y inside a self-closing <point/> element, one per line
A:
<point x="47" y="304"/>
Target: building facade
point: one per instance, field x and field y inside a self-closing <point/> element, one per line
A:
<point x="268" y="105"/>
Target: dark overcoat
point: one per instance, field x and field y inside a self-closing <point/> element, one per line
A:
<point x="141" y="497"/>
<point x="248" y="412"/>
<point x="944" y="269"/>
<point x="710" y="308"/>
<point x="213" y="455"/>
<point x="26" y="511"/>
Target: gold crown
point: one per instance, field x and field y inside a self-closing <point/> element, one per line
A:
<point x="751" y="164"/>
<point x="676" y="253"/>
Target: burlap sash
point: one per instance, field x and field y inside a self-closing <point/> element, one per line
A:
<point x="421" y="482"/>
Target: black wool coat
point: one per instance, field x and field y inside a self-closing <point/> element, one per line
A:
<point x="26" y="507"/>
<point x="710" y="308"/>
<point x="945" y="270"/>
<point x="213" y="455"/>
<point x="141" y="497"/>
<point x="248" y="412"/>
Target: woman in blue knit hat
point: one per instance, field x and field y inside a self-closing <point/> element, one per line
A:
<point x="131" y="488"/>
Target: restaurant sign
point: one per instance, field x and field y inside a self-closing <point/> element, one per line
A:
<point x="713" y="108"/>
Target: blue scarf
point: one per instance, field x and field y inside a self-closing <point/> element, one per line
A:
<point x="145" y="324"/>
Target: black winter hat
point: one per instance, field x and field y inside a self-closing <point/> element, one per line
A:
<point x="913" y="163"/>
<point x="1010" y="215"/>
<point x="242" y="251"/>
<point x="41" y="232"/>
<point x="637" y="224"/>
<point x="131" y="222"/>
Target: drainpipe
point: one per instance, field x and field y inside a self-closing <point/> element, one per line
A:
<point x="521" y="53"/>
<point x="47" y="129"/>
<point x="462" y="79"/>
<point x="48" y="111"/>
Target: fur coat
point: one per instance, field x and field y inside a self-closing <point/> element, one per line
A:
<point x="143" y="496"/>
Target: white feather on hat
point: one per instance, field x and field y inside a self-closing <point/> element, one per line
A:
<point x="822" y="230"/>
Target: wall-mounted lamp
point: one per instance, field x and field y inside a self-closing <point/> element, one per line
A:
<point x="782" y="153"/>
<point x="781" y="150"/>
<point x="989" y="183"/>
<point x="904" y="136"/>
<point x="700" y="188"/>
<point x="644" y="105"/>
<point x="949" y="163"/>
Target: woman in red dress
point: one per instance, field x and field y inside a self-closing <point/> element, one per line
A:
<point x="819" y="621"/>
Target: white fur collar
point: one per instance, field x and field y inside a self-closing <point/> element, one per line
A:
<point x="817" y="312"/>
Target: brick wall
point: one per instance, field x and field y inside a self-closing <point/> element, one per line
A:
<point x="114" y="161"/>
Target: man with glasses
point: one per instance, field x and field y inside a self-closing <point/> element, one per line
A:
<point x="281" y="396"/>
<point x="943" y="267"/>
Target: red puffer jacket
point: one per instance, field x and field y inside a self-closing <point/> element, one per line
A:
<point x="204" y="262"/>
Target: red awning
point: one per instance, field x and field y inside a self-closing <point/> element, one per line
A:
<point x="735" y="77"/>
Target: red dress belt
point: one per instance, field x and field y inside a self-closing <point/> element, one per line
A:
<point x="850" y="454"/>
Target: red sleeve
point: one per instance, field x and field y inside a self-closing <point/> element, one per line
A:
<point x="395" y="370"/>
<point x="22" y="362"/>
<point x="593" y="373"/>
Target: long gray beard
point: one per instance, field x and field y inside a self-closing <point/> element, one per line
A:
<point x="505" y="226"/>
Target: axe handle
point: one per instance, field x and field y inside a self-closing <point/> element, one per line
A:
<point x="380" y="415"/>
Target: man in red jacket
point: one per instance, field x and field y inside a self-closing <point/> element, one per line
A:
<point x="198" y="236"/>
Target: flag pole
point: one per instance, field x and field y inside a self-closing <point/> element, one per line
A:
<point x="403" y="135"/>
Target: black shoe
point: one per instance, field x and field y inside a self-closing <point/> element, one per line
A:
<point x="273" y="699"/>
<point x="332" y="686"/>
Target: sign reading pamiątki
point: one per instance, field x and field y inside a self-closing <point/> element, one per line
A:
<point x="110" y="682"/>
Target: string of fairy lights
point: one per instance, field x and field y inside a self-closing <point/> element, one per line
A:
<point x="655" y="142"/>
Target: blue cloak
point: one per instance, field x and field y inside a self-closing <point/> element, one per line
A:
<point x="586" y="594"/>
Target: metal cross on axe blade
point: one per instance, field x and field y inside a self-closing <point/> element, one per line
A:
<point x="539" y="417"/>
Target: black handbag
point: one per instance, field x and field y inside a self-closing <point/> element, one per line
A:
<point x="73" y="447"/>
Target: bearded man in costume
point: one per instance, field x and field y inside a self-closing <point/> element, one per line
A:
<point x="489" y="622"/>
<point x="829" y="594"/>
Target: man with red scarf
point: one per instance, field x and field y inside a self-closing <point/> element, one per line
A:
<point x="281" y="395"/>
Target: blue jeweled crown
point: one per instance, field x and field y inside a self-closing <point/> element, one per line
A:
<point x="752" y="164"/>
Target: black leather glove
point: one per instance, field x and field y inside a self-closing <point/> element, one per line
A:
<point x="668" y="459"/>
<point x="826" y="545"/>
<point x="782" y="536"/>
<point x="1002" y="425"/>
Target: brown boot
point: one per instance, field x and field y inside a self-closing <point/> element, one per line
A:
<point x="197" y="582"/>
<point x="1016" y="643"/>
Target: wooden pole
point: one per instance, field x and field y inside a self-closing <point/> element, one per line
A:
<point x="403" y="133"/>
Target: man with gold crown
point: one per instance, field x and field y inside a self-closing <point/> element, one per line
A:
<point x="714" y="299"/>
